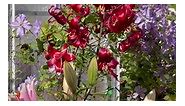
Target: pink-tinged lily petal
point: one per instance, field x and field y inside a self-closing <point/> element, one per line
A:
<point x="72" y="36"/>
<point x="31" y="90"/>
<point x="51" y="50"/>
<point x="57" y="55"/>
<point x="85" y="11"/>
<point x="24" y="92"/>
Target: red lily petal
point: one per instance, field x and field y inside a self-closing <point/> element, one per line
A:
<point x="105" y="55"/>
<point x="76" y="43"/>
<point x="74" y="23"/>
<point x="112" y="64"/>
<point x="69" y="57"/>
<point x="76" y="7"/>
<point x="124" y="45"/>
<point x="135" y="36"/>
<point x="85" y="11"/>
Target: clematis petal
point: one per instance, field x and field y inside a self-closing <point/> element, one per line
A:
<point x="14" y="24"/>
<point x="26" y="25"/>
<point x="36" y="27"/>
<point x="20" y="18"/>
<point x="20" y="31"/>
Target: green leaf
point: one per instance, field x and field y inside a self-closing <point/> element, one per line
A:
<point x="40" y="45"/>
<point x="92" y="18"/>
<point x="45" y="67"/>
<point x="58" y="36"/>
<point x="70" y="77"/>
<point x="173" y="6"/>
<point x="170" y="97"/>
<point x="92" y="71"/>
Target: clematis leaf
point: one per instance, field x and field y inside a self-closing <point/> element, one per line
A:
<point x="92" y="71"/>
<point x="150" y="96"/>
<point x="70" y="77"/>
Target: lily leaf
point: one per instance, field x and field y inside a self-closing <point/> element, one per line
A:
<point x="150" y="96"/>
<point x="70" y="77"/>
<point x="92" y="71"/>
<point x="40" y="45"/>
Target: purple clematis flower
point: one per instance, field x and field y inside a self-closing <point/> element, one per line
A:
<point x="36" y="27"/>
<point x="21" y="25"/>
<point x="139" y="91"/>
<point x="27" y="89"/>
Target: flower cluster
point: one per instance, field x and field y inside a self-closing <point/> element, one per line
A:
<point x="117" y="17"/>
<point x="55" y="58"/>
<point x="22" y="26"/>
<point x="157" y="27"/>
<point x="78" y="35"/>
<point x="106" y="61"/>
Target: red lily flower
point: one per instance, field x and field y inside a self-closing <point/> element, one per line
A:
<point x="55" y="58"/>
<point x="80" y="9"/>
<point x="57" y="14"/>
<point x="107" y="61"/>
<point x="120" y="18"/>
<point x="74" y="23"/>
<point x="78" y="37"/>
<point x="130" y="41"/>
